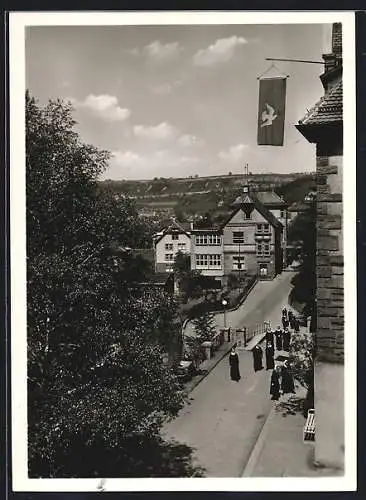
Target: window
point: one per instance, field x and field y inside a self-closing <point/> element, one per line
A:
<point x="208" y="239"/>
<point x="282" y="214"/>
<point x="263" y="269"/>
<point x="201" y="260"/>
<point x="168" y="246"/>
<point x="263" y="249"/>
<point x="238" y="262"/>
<point x="238" y="237"/>
<point x="181" y="246"/>
<point x="263" y="228"/>
<point x="175" y="236"/>
<point x="214" y="261"/>
<point x="247" y="215"/>
<point x="210" y="261"/>
<point x="169" y="257"/>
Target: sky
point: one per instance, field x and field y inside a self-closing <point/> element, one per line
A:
<point x="175" y="101"/>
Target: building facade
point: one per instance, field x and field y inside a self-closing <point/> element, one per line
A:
<point x="323" y="125"/>
<point x="173" y="239"/>
<point x="251" y="241"/>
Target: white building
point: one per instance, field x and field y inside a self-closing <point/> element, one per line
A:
<point x="168" y="243"/>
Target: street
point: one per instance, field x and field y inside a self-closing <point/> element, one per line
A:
<point x="223" y="420"/>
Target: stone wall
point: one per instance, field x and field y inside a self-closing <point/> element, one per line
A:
<point x="330" y="291"/>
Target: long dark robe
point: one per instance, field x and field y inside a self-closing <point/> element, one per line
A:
<point x="275" y="385"/>
<point x="292" y="320"/>
<point x="269" y="336"/>
<point x="296" y="325"/>
<point x="284" y="322"/>
<point x="269" y="358"/>
<point x="287" y="382"/>
<point x="278" y="340"/>
<point x="234" y="367"/>
<point x="257" y="358"/>
<point x="286" y="341"/>
<point x="284" y="312"/>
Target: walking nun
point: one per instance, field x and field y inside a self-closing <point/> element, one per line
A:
<point x="287" y="382"/>
<point x="291" y="319"/>
<point x="257" y="358"/>
<point x="278" y="334"/>
<point x="275" y="384"/>
<point x="234" y="365"/>
<point x="269" y="356"/>
<point x="286" y="340"/>
<point x="284" y="312"/>
<point x="269" y="335"/>
<point x="296" y="325"/>
<point x="285" y="321"/>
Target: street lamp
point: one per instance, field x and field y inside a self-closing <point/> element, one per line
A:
<point x="224" y="303"/>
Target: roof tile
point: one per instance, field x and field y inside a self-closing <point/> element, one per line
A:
<point x="328" y="109"/>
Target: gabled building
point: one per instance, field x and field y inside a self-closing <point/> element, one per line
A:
<point x="168" y="242"/>
<point x="249" y="241"/>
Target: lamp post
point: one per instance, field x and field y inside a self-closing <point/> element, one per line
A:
<point x="224" y="303"/>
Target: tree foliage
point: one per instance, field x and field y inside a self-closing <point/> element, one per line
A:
<point x="204" y="331"/>
<point x="96" y="377"/>
<point x="302" y="358"/>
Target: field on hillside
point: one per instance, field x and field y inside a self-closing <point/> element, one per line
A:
<point x="188" y="198"/>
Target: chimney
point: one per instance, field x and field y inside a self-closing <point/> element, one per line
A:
<point x="337" y="39"/>
<point x="333" y="60"/>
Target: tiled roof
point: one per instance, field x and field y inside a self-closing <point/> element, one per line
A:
<point x="269" y="198"/>
<point x="262" y="209"/>
<point x="243" y="199"/>
<point x="328" y="109"/>
<point x="267" y="214"/>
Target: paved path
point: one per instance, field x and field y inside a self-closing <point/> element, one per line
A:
<point x="225" y="418"/>
<point x="265" y="296"/>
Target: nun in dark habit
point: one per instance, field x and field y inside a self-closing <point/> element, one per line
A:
<point x="287" y="382"/>
<point x="234" y="365"/>
<point x="269" y="335"/>
<point x="291" y="319"/>
<point x="278" y="334"/>
<point x="285" y="321"/>
<point x="284" y="312"/>
<point x="296" y="325"/>
<point x="286" y="340"/>
<point x="257" y="358"/>
<point x="269" y="356"/>
<point x="275" y="384"/>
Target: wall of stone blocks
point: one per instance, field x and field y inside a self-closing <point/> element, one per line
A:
<point x="330" y="286"/>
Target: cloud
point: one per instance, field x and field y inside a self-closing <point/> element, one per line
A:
<point x="161" y="159"/>
<point x="166" y="88"/>
<point x="233" y="154"/>
<point x="160" y="52"/>
<point x="219" y="52"/>
<point x="188" y="140"/>
<point x="160" y="132"/>
<point x="104" y="106"/>
<point x="126" y="158"/>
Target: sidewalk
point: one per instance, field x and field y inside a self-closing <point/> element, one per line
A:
<point x="280" y="450"/>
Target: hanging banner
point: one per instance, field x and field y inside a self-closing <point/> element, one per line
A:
<point x="271" y="111"/>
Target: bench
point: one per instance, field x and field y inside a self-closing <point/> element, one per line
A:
<point x="309" y="427"/>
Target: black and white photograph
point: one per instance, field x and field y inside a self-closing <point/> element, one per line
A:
<point x="183" y="311"/>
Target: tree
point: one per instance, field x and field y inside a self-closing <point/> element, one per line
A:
<point x="205" y="330"/>
<point x="97" y="383"/>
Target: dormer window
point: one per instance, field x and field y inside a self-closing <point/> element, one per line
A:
<point x="175" y="236"/>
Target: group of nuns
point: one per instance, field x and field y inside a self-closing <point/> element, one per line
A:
<point x="281" y="378"/>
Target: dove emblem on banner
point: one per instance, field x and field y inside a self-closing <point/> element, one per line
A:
<point x="268" y="115"/>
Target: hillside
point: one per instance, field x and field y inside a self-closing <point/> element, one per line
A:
<point x="188" y="198"/>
